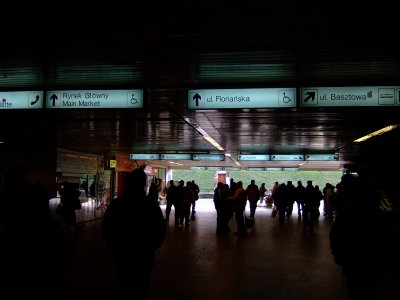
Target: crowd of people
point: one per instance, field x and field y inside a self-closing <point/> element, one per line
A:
<point x="182" y="197"/>
<point x="363" y="238"/>
<point x="363" y="252"/>
<point x="231" y="200"/>
<point x="308" y="199"/>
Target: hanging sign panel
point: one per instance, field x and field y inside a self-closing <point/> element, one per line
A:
<point x="242" y="98"/>
<point x="219" y="157"/>
<point x="322" y="157"/>
<point x="293" y="157"/>
<point x="195" y="168"/>
<point x="144" y="156"/>
<point x="350" y="96"/>
<point x="253" y="157"/>
<point x="83" y="99"/>
<point x="175" y="156"/>
<point x="21" y="100"/>
<point x="215" y="168"/>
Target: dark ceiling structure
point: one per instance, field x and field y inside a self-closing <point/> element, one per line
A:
<point x="169" y="47"/>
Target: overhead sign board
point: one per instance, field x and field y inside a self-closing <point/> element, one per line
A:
<point x="350" y="96"/>
<point x="255" y="169"/>
<point x="176" y="156"/>
<point x="215" y="168"/>
<point x="21" y="100"/>
<point x="197" y="168"/>
<point x="322" y="157"/>
<point x="144" y="156"/>
<point x="84" y="99"/>
<point x="241" y="98"/>
<point x="292" y="157"/>
<point x="290" y="169"/>
<point x="254" y="157"/>
<point x="215" y="157"/>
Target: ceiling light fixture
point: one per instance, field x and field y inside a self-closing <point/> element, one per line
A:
<point x="175" y="163"/>
<point x="213" y="142"/>
<point x="232" y="159"/>
<point x="375" y="133"/>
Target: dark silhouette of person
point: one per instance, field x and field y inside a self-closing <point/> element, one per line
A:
<point x="133" y="228"/>
<point x="172" y="195"/>
<point x="223" y="208"/>
<point x="309" y="206"/>
<point x="291" y="196"/>
<point x="238" y="201"/>
<point x="70" y="202"/>
<point x="300" y="196"/>
<point x="280" y="201"/>
<point x="153" y="192"/>
<point x="33" y="252"/>
<point x="360" y="237"/>
<point x="92" y="188"/>
<point x="263" y="191"/>
<point x="253" y="195"/>
<point x="196" y="191"/>
<point x="179" y="203"/>
<point x="187" y="200"/>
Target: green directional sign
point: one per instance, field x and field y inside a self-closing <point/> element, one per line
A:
<point x="322" y="157"/>
<point x="242" y="98"/>
<point x="216" y="157"/>
<point x="253" y="157"/>
<point x="144" y="156"/>
<point x="175" y="156"/>
<point x="350" y="96"/>
<point x="21" y="100"/>
<point x="89" y="99"/>
<point x="197" y="168"/>
<point x="292" y="157"/>
<point x="215" y="168"/>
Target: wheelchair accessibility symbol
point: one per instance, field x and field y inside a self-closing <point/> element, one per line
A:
<point x="134" y="100"/>
<point x="287" y="98"/>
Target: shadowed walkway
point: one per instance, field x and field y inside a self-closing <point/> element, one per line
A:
<point x="271" y="262"/>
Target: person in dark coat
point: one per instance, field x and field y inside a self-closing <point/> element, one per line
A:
<point x="133" y="228"/>
<point x="172" y="195"/>
<point x="361" y="237"/>
<point x="223" y="208"/>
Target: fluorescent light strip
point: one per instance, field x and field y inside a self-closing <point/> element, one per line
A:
<point x="375" y="133"/>
<point x="206" y="136"/>
<point x="234" y="160"/>
<point x="213" y="142"/>
<point x="175" y="163"/>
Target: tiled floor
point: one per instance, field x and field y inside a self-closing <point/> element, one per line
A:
<point x="271" y="262"/>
